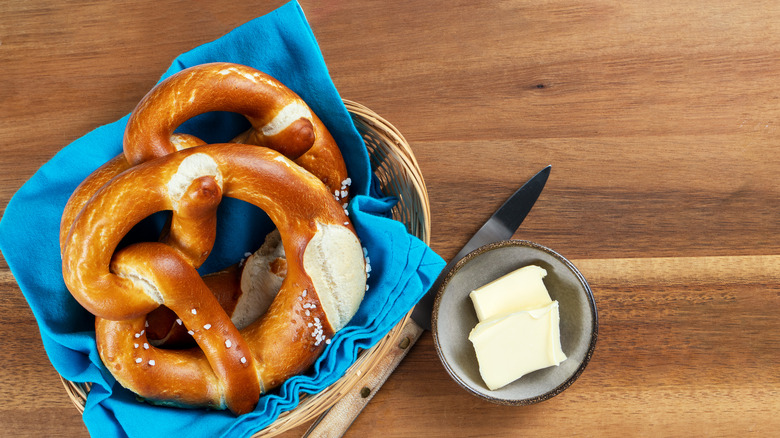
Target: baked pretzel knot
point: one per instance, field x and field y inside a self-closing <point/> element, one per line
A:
<point x="229" y="368"/>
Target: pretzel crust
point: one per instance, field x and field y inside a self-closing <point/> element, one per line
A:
<point x="231" y="368"/>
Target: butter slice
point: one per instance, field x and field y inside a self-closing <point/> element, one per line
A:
<point x="511" y="346"/>
<point x="522" y="289"/>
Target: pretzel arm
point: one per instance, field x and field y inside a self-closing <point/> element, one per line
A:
<point x="233" y="367"/>
<point x="280" y="119"/>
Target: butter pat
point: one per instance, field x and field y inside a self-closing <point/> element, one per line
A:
<point x="522" y="289"/>
<point x="511" y="346"/>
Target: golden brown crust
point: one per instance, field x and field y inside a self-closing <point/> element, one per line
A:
<point x="161" y="171"/>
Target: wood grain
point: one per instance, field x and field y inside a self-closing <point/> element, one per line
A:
<point x="660" y="120"/>
<point x="340" y="416"/>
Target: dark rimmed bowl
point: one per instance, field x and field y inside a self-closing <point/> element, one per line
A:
<point x="454" y="317"/>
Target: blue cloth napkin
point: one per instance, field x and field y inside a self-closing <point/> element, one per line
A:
<point x="403" y="268"/>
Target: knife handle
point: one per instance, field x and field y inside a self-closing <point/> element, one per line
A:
<point x="336" y="420"/>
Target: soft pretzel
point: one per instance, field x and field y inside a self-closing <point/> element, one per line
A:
<point x="324" y="285"/>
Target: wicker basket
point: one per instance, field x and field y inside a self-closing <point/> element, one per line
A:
<point x="399" y="175"/>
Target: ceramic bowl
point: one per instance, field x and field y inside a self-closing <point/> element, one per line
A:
<point x="454" y="317"/>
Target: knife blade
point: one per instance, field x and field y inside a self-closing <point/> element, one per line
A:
<point x="500" y="226"/>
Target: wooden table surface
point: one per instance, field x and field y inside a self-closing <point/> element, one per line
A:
<point x="661" y="122"/>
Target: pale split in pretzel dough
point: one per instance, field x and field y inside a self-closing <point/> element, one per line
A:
<point x="142" y="283"/>
<point x="192" y="167"/>
<point x="261" y="280"/>
<point x="295" y="110"/>
<point x="334" y="261"/>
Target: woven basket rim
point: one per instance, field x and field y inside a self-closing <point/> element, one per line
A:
<point x="312" y="406"/>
